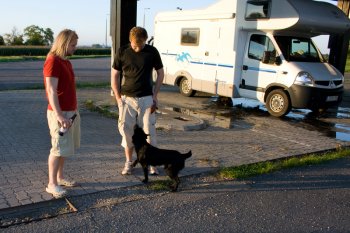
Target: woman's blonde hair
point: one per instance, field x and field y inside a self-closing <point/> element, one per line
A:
<point x="62" y="41"/>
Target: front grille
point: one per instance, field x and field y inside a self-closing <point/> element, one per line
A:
<point x="338" y="82"/>
<point x="322" y="83"/>
<point x="327" y="83"/>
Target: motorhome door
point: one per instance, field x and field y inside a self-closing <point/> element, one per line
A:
<point x="259" y="68"/>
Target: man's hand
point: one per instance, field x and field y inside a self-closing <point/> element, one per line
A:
<point x="154" y="106"/>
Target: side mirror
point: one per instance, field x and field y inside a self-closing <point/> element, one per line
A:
<point x="269" y="57"/>
<point x="266" y="57"/>
<point x="278" y="60"/>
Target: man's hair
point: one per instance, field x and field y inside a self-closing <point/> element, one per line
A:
<point x="62" y="41"/>
<point x="138" y="34"/>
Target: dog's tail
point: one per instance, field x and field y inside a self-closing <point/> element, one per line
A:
<point x="187" y="155"/>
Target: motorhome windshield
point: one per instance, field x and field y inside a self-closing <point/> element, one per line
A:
<point x="298" y="49"/>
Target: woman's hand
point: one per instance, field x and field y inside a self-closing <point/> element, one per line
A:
<point x="64" y="122"/>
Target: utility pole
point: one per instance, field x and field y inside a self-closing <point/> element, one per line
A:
<point x="144" y="15"/>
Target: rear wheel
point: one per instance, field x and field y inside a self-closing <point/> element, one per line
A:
<point x="278" y="103"/>
<point x="185" y="88"/>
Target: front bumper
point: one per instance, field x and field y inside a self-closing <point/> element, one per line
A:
<point x="314" y="98"/>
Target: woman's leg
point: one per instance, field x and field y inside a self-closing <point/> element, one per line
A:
<point x="53" y="163"/>
<point x="60" y="175"/>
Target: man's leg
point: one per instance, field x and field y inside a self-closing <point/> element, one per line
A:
<point x="126" y="123"/>
<point x="128" y="154"/>
<point x="148" y="125"/>
<point x="128" y="162"/>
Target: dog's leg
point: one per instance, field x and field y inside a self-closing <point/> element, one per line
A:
<point x="145" y="173"/>
<point x="176" y="184"/>
<point x="135" y="163"/>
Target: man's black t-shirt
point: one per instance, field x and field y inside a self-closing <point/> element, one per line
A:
<point x="137" y="68"/>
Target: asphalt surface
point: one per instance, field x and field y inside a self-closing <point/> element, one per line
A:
<point x="307" y="199"/>
<point x="25" y="143"/>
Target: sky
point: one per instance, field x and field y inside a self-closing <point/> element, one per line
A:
<point x="88" y="17"/>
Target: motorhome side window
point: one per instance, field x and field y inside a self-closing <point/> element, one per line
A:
<point x="261" y="48"/>
<point x="257" y="10"/>
<point x="190" y="36"/>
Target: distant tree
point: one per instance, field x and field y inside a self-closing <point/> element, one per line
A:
<point x="13" y="38"/>
<point x="96" y="46"/>
<point x="2" y="42"/>
<point x="18" y="40"/>
<point x="36" y="35"/>
<point x="48" y="36"/>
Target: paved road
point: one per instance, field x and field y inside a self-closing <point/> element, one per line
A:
<point x="24" y="146"/>
<point x="309" y="199"/>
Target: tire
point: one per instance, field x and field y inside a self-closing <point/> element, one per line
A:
<point x="278" y="103"/>
<point x="185" y="88"/>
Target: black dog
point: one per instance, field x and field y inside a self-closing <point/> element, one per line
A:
<point x="147" y="155"/>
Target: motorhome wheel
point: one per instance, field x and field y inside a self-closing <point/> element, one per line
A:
<point x="278" y="103"/>
<point x="185" y="88"/>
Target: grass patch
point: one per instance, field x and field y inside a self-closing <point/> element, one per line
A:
<point x="160" y="185"/>
<point x="249" y="170"/>
<point x="104" y="109"/>
<point x="347" y="64"/>
<point x="78" y="85"/>
<point x="21" y="58"/>
<point x="93" y="85"/>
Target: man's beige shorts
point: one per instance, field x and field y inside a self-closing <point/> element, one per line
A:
<point x="64" y="145"/>
<point x="136" y="111"/>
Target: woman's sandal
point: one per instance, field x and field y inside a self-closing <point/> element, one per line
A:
<point x="57" y="191"/>
<point x="68" y="183"/>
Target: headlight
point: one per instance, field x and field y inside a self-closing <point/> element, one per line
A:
<point x="304" y="79"/>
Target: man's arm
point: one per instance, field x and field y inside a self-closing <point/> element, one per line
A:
<point x="158" y="84"/>
<point x="115" y="84"/>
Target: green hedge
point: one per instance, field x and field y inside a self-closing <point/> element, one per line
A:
<point x="42" y="51"/>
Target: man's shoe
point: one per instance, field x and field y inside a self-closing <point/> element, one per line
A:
<point x="127" y="168"/>
<point x="153" y="171"/>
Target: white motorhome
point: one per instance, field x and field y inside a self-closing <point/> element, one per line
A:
<point x="260" y="49"/>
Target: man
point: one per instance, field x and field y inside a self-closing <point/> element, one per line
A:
<point x="60" y="89"/>
<point x="134" y="91"/>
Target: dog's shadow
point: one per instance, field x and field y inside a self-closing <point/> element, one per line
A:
<point x="162" y="181"/>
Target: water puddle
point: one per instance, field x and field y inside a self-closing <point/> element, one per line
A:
<point x="335" y="123"/>
<point x="223" y="118"/>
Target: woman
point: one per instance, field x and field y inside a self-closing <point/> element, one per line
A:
<point x="60" y="89"/>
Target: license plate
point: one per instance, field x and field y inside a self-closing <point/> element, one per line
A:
<point x="331" y="98"/>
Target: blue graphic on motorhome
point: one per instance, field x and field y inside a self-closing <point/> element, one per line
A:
<point x="184" y="56"/>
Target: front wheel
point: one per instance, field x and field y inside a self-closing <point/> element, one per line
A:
<point x="185" y="88"/>
<point x="278" y="103"/>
